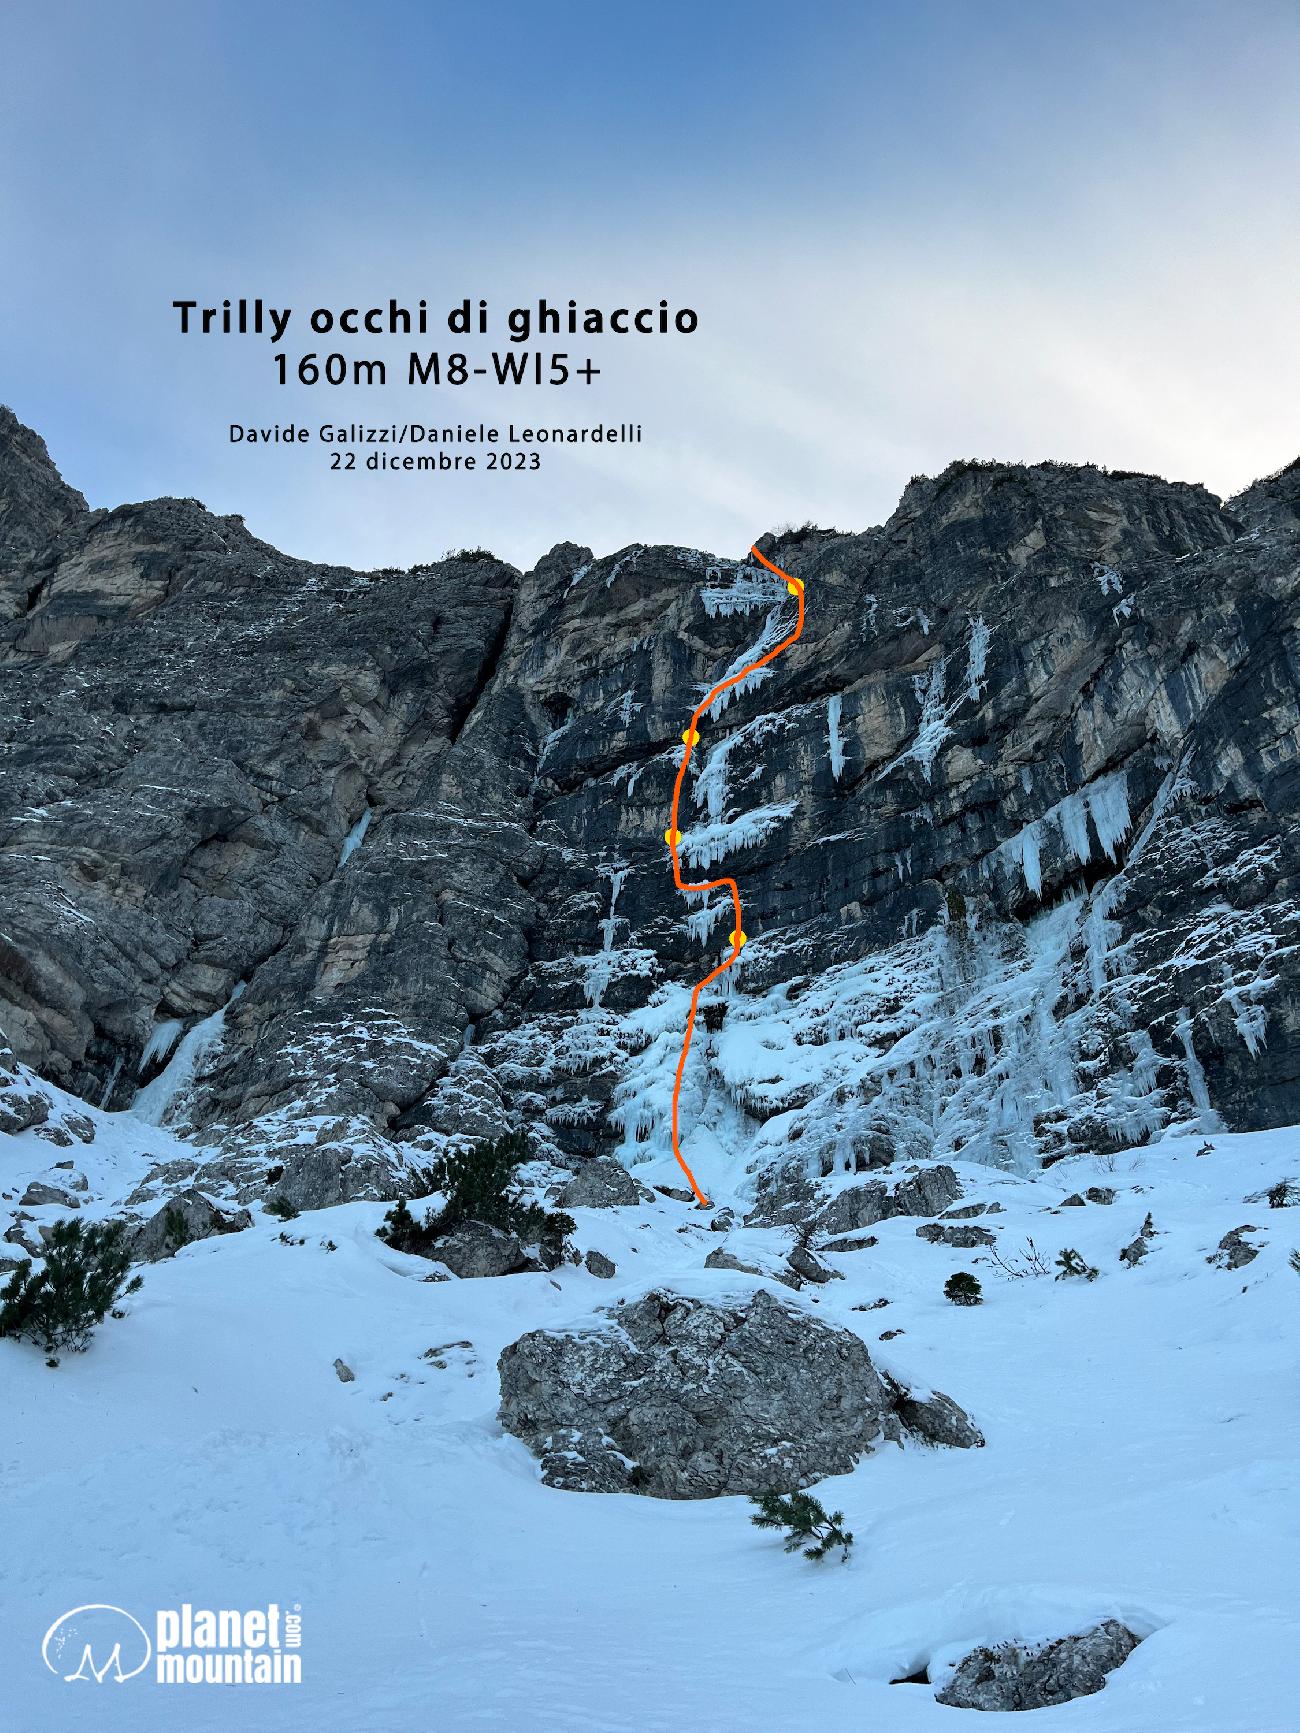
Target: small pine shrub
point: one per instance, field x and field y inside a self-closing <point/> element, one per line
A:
<point x="85" y="1274"/>
<point x="176" y="1227"/>
<point x="808" y="1528"/>
<point x="1295" y="1262"/>
<point x="281" y="1208"/>
<point x="401" y="1230"/>
<point x="477" y="1186"/>
<point x="476" y="1183"/>
<point x="963" y="1289"/>
<point x="1279" y="1195"/>
<point x="1070" y="1263"/>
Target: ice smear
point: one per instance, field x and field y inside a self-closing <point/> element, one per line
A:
<point x="355" y="837"/>
<point x="154" y="1102"/>
<point x="834" y="737"/>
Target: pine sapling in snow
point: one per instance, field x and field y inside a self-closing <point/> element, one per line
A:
<point x="478" y="1186"/>
<point x="176" y="1228"/>
<point x="963" y="1289"/>
<point x="85" y="1275"/>
<point x="808" y="1527"/>
<point x="1070" y="1263"/>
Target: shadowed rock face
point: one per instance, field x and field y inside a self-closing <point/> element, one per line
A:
<point x="1014" y="825"/>
<point x="35" y="505"/>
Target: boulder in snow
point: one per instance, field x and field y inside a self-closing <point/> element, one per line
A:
<point x="924" y="1193"/>
<point x="602" y="1183"/>
<point x="1234" y="1252"/>
<point x="805" y="1264"/>
<point x="20" y="1109"/>
<point x="1013" y="1676"/>
<point x="934" y="1418"/>
<point x="479" y="1249"/>
<point x="39" y="1194"/>
<point x="721" y="1259"/>
<point x="685" y="1398"/>
<point x="963" y="1235"/>
<point x="186" y="1217"/>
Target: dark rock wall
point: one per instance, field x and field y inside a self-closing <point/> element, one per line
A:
<point x="1014" y="821"/>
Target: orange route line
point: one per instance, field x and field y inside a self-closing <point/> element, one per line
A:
<point x="673" y="838"/>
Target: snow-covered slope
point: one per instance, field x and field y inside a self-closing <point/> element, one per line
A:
<point x="1140" y="1462"/>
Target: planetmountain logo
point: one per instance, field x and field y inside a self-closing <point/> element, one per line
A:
<point x="100" y="1641"/>
<point x="190" y="1646"/>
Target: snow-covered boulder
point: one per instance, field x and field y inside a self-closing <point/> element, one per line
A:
<point x="602" y="1183"/>
<point x="38" y="1194"/>
<point x="22" y="1105"/>
<point x="1016" y="1677"/>
<point x="722" y="1259"/>
<point x="479" y="1249"/>
<point x="184" y="1218"/>
<point x="963" y="1235"/>
<point x="935" y="1418"/>
<point x="1234" y="1250"/>
<point x="925" y="1193"/>
<point x="686" y="1398"/>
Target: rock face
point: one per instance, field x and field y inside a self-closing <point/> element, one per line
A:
<point x="36" y="504"/>
<point x="386" y="848"/>
<point x="1011" y="1677"/>
<point x="682" y="1398"/>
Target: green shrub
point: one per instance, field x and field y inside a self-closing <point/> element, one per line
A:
<point x="85" y="1275"/>
<point x="963" y="1289"/>
<point x="808" y="1528"/>
<point x="176" y="1227"/>
<point x="477" y="1185"/>
<point x="1070" y="1263"/>
<point x="282" y="1208"/>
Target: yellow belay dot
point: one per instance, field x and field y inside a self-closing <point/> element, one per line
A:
<point x="734" y="938"/>
<point x="672" y="837"/>
<point x="691" y="736"/>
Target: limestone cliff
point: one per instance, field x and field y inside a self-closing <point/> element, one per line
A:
<point x="1014" y="826"/>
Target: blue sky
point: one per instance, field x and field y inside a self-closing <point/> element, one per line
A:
<point x="912" y="231"/>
